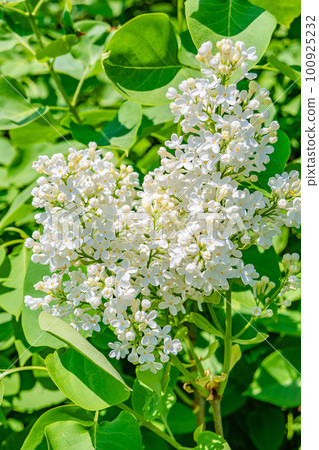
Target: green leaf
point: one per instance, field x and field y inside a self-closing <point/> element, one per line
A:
<point x="68" y="435"/>
<point x="151" y="380"/>
<point x="235" y="355"/>
<point x="44" y="129"/>
<point x="260" y="337"/>
<point x="285" y="11"/>
<point x="1" y="392"/>
<point x="15" y="109"/>
<point x="181" y="419"/>
<point x="11" y="290"/>
<point x="203" y="323"/>
<point x="258" y="423"/>
<point x="60" y="46"/>
<point x="7" y="152"/>
<point x="83" y="60"/>
<point x="278" y="160"/>
<point x="120" y="133"/>
<point x="141" y="59"/>
<point x="213" y="20"/>
<point x="6" y="331"/>
<point x="86" y="384"/>
<point x="18" y="207"/>
<point x="2" y="255"/>
<point x="36" y="440"/>
<point x="277" y="380"/>
<point x="30" y="324"/>
<point x="11" y="382"/>
<point x="285" y="69"/>
<point x="208" y="440"/>
<point x="266" y="262"/>
<point x="113" y="386"/>
<point x="288" y="323"/>
<point x="36" y="398"/>
<point x="120" y="434"/>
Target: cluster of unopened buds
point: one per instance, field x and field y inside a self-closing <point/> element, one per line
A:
<point x="137" y="258"/>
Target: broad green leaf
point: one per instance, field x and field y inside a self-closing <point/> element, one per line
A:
<point x="258" y="427"/>
<point x="6" y="331"/>
<point x="288" y="323"/>
<point x="139" y="397"/>
<point x="245" y="298"/>
<point x="181" y="419"/>
<point x="285" y="11"/>
<point x="266" y="262"/>
<point x="60" y="46"/>
<point x="11" y="290"/>
<point x="11" y="383"/>
<point x="277" y="379"/>
<point x="1" y="392"/>
<point x="36" y="440"/>
<point x="120" y="133"/>
<point x="2" y="255"/>
<point x="68" y="435"/>
<point x="83" y="382"/>
<point x="23" y="174"/>
<point x="141" y="59"/>
<point x="202" y="323"/>
<point x="83" y="60"/>
<point x="115" y="390"/>
<point x="44" y="129"/>
<point x="152" y="380"/>
<point x="30" y="319"/>
<point x="280" y="242"/>
<point x="278" y="160"/>
<point x="285" y="69"/>
<point x="260" y="337"/>
<point x="15" y="108"/>
<point x="208" y="440"/>
<point x="23" y="348"/>
<point x="18" y="207"/>
<point x="213" y="20"/>
<point x="7" y="152"/>
<point x="235" y="355"/>
<point x="36" y="398"/>
<point x="120" y="434"/>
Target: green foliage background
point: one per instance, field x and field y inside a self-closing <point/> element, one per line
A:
<point x="54" y="93"/>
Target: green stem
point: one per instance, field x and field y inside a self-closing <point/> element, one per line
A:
<point x="95" y="425"/>
<point x="197" y="361"/>
<point x="181" y="394"/>
<point x="37" y="6"/>
<point x="11" y="8"/>
<point x="265" y="68"/>
<point x="215" y="403"/>
<point x="33" y="24"/>
<point x="20" y="369"/>
<point x="218" y="424"/>
<point x="189" y="377"/>
<point x="78" y="88"/>
<point x="243" y="330"/>
<point x="180" y="15"/>
<point x="15" y="241"/>
<point x="17" y="230"/>
<point x="64" y="94"/>
<point x="227" y="342"/>
<point x="215" y="319"/>
<point x="24" y="43"/>
<point x="49" y="65"/>
<point x="151" y="427"/>
<point x="167" y="426"/>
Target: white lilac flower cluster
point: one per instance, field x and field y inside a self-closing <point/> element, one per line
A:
<point x="136" y="258"/>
